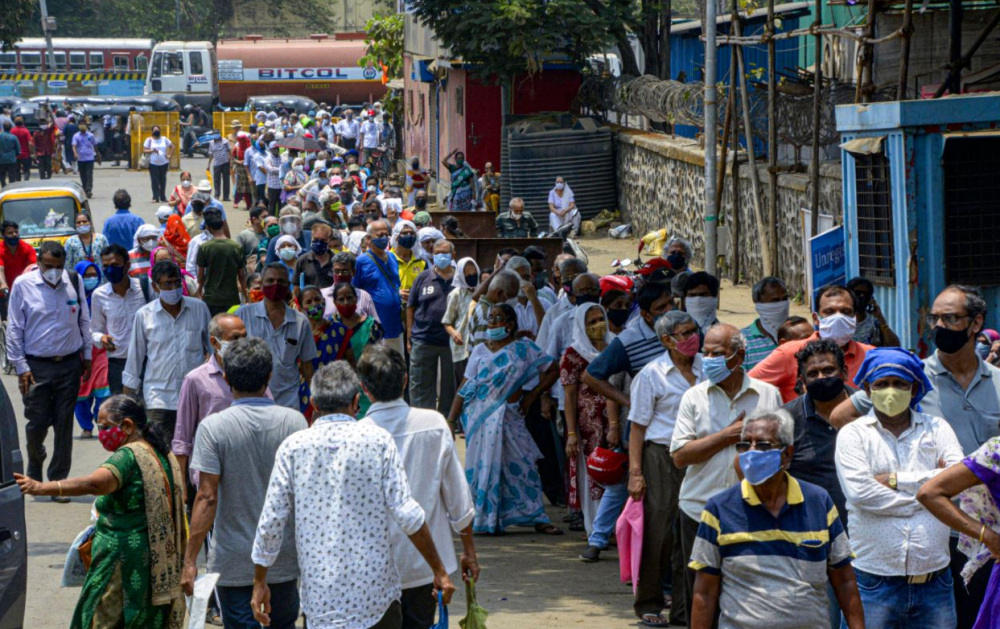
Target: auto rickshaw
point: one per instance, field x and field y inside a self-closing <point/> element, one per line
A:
<point x="43" y="209"/>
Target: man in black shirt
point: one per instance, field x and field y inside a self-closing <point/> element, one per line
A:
<point x="427" y="340"/>
<point x="316" y="267"/>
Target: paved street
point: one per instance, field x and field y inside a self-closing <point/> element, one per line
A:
<point x="528" y="581"/>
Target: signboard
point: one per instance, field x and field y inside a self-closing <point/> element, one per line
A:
<point x="827" y="260"/>
<point x="58" y="84"/>
<point x="230" y="69"/>
<point x="273" y="75"/>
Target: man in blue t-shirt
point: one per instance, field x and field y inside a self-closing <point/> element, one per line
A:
<point x="120" y="227"/>
<point x="378" y="273"/>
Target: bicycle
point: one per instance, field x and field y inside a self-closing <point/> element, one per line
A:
<point x="381" y="163"/>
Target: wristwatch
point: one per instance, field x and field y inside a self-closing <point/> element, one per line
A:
<point x="892" y="482"/>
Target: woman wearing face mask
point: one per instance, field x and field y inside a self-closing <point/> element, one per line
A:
<point x="362" y="330"/>
<point x="85" y="244"/>
<point x="145" y="240"/>
<point x="294" y="179"/>
<point x="504" y="376"/>
<point x="189" y="285"/>
<point x="984" y="343"/>
<point x="287" y="250"/>
<point x="404" y="239"/>
<point x="562" y="208"/>
<point x="618" y="307"/>
<point x="872" y="328"/>
<point x="94" y="390"/>
<point x="456" y="313"/>
<point x="426" y="237"/>
<point x="244" y="184"/>
<point x="333" y="341"/>
<point x="462" y="197"/>
<point x="140" y="483"/>
<point x="182" y="193"/>
<point x="158" y="148"/>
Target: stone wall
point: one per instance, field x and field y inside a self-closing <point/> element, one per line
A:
<point x="661" y="184"/>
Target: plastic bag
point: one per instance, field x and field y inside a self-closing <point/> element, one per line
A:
<point x="74" y="572"/>
<point x="628" y="531"/>
<point x="475" y="616"/>
<point x="198" y="604"/>
<point x="442" y="622"/>
<point x="621" y="232"/>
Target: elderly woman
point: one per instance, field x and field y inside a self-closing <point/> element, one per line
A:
<point x="288" y="250"/>
<point x="145" y="240"/>
<point x="562" y="207"/>
<point x="134" y="580"/>
<point x="677" y="252"/>
<point x="501" y="455"/>
<point x="294" y="179"/>
<point x="189" y="284"/>
<point x="426" y="237"/>
<point x="462" y="197"/>
<point x="456" y="313"/>
<point x="84" y="245"/>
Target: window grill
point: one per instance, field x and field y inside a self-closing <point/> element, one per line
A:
<point x="874" y="202"/>
<point x="972" y="210"/>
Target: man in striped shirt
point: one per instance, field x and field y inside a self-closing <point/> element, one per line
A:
<point x="219" y="156"/>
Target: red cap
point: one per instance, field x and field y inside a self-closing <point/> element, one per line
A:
<point x="615" y="282"/>
<point x="307" y="135"/>
<point x="654" y="264"/>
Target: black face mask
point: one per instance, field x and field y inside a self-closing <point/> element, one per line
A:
<point x="586" y="299"/>
<point x="825" y="389"/>
<point x="541" y="280"/>
<point x="472" y="280"/>
<point x="420" y="202"/>
<point x="951" y="341"/>
<point x="618" y="318"/>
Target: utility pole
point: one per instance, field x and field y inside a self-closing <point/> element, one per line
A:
<point x="177" y="15"/>
<point x="711" y="122"/>
<point x="48" y="25"/>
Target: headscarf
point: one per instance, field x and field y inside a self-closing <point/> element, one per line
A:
<point x="581" y="343"/>
<point x="422" y="218"/>
<point x="894" y="361"/>
<point x="144" y="231"/>
<point x="459" y="280"/>
<point x="423" y="235"/>
<point x="242" y="144"/>
<point x="81" y="268"/>
<point x="288" y="239"/>
<point x="176" y="236"/>
<point x="992" y="335"/>
<point x="398" y="228"/>
<point x="354" y="242"/>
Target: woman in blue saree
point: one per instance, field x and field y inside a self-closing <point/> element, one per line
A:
<point x="504" y="376"/>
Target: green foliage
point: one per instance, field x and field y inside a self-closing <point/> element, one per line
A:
<point x="15" y="22"/>
<point x="384" y="43"/>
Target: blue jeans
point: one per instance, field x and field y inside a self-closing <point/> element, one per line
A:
<point x="236" y="612"/>
<point x="611" y="505"/>
<point x="892" y="603"/>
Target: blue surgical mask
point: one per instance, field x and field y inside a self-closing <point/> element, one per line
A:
<point x="496" y="334"/>
<point x="983" y="349"/>
<point x="90" y="283"/>
<point x="442" y="260"/>
<point x="716" y="369"/>
<point x="759" y="466"/>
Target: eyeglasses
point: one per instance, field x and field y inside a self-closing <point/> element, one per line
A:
<point x="947" y="319"/>
<point x="762" y="446"/>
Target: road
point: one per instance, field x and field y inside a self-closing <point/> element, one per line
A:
<point x="528" y="580"/>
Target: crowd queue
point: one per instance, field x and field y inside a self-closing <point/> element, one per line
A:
<point x="295" y="391"/>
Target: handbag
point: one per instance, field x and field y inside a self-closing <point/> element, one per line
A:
<point x="144" y="161"/>
<point x="78" y="559"/>
<point x="442" y="622"/>
<point x="475" y="616"/>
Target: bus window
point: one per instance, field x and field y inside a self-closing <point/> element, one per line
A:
<point x="78" y="61"/>
<point x="60" y="61"/>
<point x="31" y="61"/>
<point x="173" y="63"/>
<point x="141" y="62"/>
<point x="8" y="62"/>
<point x="194" y="61"/>
<point x="157" y="65"/>
<point x="121" y="63"/>
<point x="97" y="61"/>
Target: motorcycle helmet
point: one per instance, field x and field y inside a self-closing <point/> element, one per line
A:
<point x="607" y="467"/>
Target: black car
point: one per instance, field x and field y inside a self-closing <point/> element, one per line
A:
<point x="294" y="104"/>
<point x="13" y="540"/>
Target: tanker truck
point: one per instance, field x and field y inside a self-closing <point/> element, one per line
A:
<point x="319" y="67"/>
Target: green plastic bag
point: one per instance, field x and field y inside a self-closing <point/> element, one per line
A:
<point x="475" y="616"/>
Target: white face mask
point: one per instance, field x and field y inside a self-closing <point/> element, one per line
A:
<point x="186" y="184"/>
<point x="52" y="276"/>
<point x="83" y="229"/>
<point x="223" y="346"/>
<point x="838" y="328"/>
<point x="772" y="315"/>
<point x="172" y="297"/>
<point x="560" y="186"/>
<point x="149" y="244"/>
<point x="289" y="228"/>
<point x="702" y="310"/>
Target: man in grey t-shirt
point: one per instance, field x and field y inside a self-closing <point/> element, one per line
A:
<point x="234" y="452"/>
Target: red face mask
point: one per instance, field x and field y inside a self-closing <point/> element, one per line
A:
<point x="276" y="292"/>
<point x="689" y="346"/>
<point x="347" y="311"/>
<point x="112" y="438"/>
<point x="256" y="295"/>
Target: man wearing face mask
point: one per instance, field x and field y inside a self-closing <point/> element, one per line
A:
<point x="347" y="131"/>
<point x="378" y="273"/>
<point x="771" y="581"/>
<point x="709" y="424"/>
<point x="529" y="308"/>
<point x="700" y="299"/>
<point x="272" y="167"/>
<point x="515" y="223"/>
<point x="431" y="363"/>
<point x="883" y="459"/>
<point x="569" y="269"/>
<point x="222" y="274"/>
<point x="835" y="320"/>
<point x="48" y="344"/>
<point x="315" y="268"/>
<point x="169" y="339"/>
<point x="770" y="300"/>
<point x="419" y="202"/>
<point x="677" y="252"/>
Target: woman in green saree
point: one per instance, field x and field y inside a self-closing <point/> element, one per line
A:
<point x="134" y="580"/>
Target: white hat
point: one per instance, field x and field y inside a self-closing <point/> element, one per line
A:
<point x="164" y="212"/>
<point x="204" y="186"/>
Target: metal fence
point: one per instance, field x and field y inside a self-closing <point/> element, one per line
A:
<point x="142" y="125"/>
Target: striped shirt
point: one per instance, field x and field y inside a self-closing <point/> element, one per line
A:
<point x="273" y="166"/>
<point x="220" y="151"/>
<point x="759" y="345"/>
<point x="478" y="322"/>
<point x="774" y="569"/>
<point x="632" y="350"/>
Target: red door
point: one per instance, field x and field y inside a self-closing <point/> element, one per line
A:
<point x="483" y="123"/>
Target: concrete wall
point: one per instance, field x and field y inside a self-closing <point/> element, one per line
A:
<point x="661" y="185"/>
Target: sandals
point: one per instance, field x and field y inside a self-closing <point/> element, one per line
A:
<point x="548" y="529"/>
<point x="655" y="620"/>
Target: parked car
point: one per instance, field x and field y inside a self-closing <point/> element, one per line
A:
<point x="13" y="537"/>
<point x="44" y="209"/>
<point x="294" y="104"/>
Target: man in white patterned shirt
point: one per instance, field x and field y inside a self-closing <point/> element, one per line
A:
<point x="342" y="481"/>
<point x="883" y="459"/>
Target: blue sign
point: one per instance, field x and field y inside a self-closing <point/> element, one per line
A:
<point x="828" y="260"/>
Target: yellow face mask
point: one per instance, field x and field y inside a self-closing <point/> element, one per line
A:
<point x="891" y="401"/>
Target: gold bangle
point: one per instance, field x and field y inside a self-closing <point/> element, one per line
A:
<point x="982" y="532"/>
<point x="571" y="434"/>
<point x="59" y="485"/>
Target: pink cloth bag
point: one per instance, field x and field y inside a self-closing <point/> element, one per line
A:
<point x="629" y="533"/>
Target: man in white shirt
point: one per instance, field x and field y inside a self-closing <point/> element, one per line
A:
<point x="883" y="459"/>
<point x="341" y="482"/>
<point x="436" y="477"/>
<point x="112" y="310"/>
<point x="709" y="424"/>
<point x="347" y="131"/>
<point x="529" y="308"/>
<point x="369" y="138"/>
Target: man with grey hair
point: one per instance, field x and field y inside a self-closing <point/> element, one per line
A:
<point x="775" y="580"/>
<point x="678" y="252"/>
<point x="233" y="455"/>
<point x="569" y="269"/>
<point x="378" y="273"/>
<point x="529" y="308"/>
<point x="344" y="265"/>
<point x="431" y="364"/>
<point x="436" y="477"/>
<point x="709" y="424"/>
<point x="770" y="300"/>
<point x="515" y="223"/>
<point x="503" y="287"/>
<point x="342" y="481"/>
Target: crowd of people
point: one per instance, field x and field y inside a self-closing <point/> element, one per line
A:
<point x="297" y="390"/>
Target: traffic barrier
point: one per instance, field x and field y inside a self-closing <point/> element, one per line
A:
<point x="72" y="76"/>
<point x="142" y="125"/>
<point x="223" y="120"/>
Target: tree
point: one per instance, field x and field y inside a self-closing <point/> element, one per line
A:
<point x="15" y="23"/>
<point x="384" y="49"/>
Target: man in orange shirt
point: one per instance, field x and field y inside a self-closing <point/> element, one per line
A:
<point x="834" y="316"/>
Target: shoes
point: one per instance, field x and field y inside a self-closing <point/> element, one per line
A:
<point x="591" y="555"/>
<point x="87" y="434"/>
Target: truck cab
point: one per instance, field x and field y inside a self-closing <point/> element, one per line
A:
<point x="184" y="68"/>
<point x="13" y="538"/>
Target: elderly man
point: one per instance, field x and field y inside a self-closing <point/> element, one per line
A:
<point x="770" y="300"/>
<point x="436" y="477"/>
<point x="515" y="223"/>
<point x="344" y="264"/>
<point x="834" y="318"/>
<point x="678" y="253"/>
<point x="341" y="482"/>
<point x="529" y="308"/>
<point x="767" y="548"/>
<point x="234" y="455"/>
<point x="569" y="269"/>
<point x="709" y="424"/>
<point x="316" y="267"/>
<point x="883" y="459"/>
<point x="656" y="394"/>
<point x="503" y="287"/>
<point x="431" y="365"/>
<point x="378" y="273"/>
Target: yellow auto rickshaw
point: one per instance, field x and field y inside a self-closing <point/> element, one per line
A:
<point x="43" y="209"/>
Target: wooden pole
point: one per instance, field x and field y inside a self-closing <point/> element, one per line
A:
<point x="817" y="112"/>
<point x="725" y="152"/>
<point x="772" y="142"/>
<point x="904" y="52"/>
